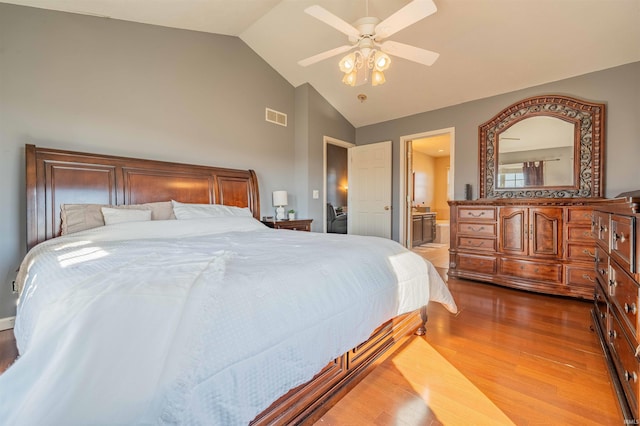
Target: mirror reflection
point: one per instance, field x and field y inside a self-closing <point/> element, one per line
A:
<point x="535" y="152"/>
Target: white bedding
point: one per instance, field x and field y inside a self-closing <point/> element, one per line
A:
<point x="203" y="321"/>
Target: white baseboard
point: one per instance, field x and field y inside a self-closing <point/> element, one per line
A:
<point x="7" y="323"/>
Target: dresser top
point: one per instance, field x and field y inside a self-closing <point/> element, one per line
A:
<point x="531" y="201"/>
<point x="622" y="205"/>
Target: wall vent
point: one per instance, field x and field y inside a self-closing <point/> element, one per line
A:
<point x="273" y="116"/>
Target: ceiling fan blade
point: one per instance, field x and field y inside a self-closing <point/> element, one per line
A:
<point x="412" y="53"/>
<point x="408" y="15"/>
<point x="329" y="18"/>
<point x="324" y="55"/>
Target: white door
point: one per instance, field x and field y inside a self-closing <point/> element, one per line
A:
<point x="370" y="190"/>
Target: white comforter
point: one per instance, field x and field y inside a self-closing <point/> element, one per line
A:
<point x="195" y="321"/>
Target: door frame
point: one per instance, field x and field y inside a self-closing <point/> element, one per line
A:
<point x="405" y="238"/>
<point x="333" y="141"/>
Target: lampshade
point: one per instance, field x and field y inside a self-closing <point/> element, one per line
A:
<point x="280" y="198"/>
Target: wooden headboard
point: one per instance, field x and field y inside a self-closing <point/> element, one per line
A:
<point x="56" y="177"/>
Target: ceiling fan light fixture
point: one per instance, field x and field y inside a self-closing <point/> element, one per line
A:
<point x="366" y="35"/>
<point x="350" y="78"/>
<point x="381" y="61"/>
<point x="348" y="63"/>
<point x="377" y="78"/>
<point x="358" y="66"/>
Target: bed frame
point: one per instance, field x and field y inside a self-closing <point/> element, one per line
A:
<point x="56" y="177"/>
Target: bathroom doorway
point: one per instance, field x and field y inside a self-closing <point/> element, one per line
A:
<point x="427" y="186"/>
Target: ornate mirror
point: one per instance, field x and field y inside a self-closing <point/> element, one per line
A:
<point x="543" y="147"/>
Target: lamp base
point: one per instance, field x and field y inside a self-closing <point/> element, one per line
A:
<point x="280" y="213"/>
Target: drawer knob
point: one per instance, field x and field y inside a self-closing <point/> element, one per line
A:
<point x="613" y="334"/>
<point x="631" y="376"/>
<point x="474" y="229"/>
<point x="472" y="214"/>
<point x="630" y="309"/>
<point x="618" y="237"/>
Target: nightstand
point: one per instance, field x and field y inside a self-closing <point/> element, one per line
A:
<point x="295" y="225"/>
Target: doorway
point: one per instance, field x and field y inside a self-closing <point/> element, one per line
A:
<point x="335" y="185"/>
<point x="426" y="184"/>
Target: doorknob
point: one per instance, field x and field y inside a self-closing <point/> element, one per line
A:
<point x="387" y="207"/>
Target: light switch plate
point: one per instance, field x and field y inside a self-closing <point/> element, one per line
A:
<point x="316" y="194"/>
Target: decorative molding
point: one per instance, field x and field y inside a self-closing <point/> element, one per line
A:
<point x="589" y="120"/>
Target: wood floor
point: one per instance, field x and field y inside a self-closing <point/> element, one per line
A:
<point x="507" y="357"/>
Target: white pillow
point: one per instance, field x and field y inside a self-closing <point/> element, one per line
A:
<point x="198" y="211"/>
<point x="113" y="216"/>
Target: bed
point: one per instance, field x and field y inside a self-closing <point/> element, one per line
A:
<point x="200" y="316"/>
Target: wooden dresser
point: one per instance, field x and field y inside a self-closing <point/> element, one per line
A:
<point x="616" y="298"/>
<point x="542" y="245"/>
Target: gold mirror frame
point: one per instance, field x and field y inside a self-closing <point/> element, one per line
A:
<point x="589" y="144"/>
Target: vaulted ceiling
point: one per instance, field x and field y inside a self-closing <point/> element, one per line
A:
<point x="486" y="47"/>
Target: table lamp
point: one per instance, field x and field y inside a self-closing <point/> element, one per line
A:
<point x="279" y="201"/>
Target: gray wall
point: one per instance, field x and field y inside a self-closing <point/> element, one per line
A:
<point x="315" y="119"/>
<point x="618" y="87"/>
<point x="99" y="85"/>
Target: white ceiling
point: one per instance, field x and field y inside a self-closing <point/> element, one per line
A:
<point x="486" y="47"/>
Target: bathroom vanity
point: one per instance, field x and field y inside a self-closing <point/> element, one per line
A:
<point x="423" y="227"/>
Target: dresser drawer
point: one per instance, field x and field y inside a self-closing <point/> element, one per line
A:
<point x="580" y="275"/>
<point x="531" y="270"/>
<point x="477" y="244"/>
<point x="622" y="241"/>
<point x="579" y="233"/>
<point x="602" y="266"/>
<point x="476" y="213"/>
<point x="580" y="280"/>
<point x="580" y="215"/>
<point x="585" y="252"/>
<point x="624" y="295"/>
<point x="475" y="263"/>
<point x="601" y="307"/>
<point x="485" y="229"/>
<point x="601" y="229"/>
<point x="627" y="365"/>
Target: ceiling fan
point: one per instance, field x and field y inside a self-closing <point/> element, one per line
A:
<point x="368" y="35"/>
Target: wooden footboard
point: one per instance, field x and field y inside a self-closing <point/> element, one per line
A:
<point x="307" y="403"/>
